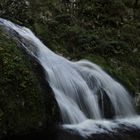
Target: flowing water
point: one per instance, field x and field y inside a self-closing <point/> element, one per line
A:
<point x="79" y="87"/>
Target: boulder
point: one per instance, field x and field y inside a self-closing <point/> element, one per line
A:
<point x="27" y="103"/>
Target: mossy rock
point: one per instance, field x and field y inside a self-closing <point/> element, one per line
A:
<point x="26" y="100"/>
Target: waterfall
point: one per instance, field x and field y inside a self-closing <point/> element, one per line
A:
<point x="77" y="86"/>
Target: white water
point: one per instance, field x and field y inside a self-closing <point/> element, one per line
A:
<point x="76" y="85"/>
<point x="90" y="127"/>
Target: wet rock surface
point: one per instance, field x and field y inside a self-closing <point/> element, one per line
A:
<point x="27" y="103"/>
<point x="122" y="133"/>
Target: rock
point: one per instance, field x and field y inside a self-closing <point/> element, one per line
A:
<point x="121" y="132"/>
<point x="137" y="101"/>
<point x="26" y="100"/>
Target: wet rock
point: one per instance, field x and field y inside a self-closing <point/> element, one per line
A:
<point x="26" y="100"/>
<point x="121" y="132"/>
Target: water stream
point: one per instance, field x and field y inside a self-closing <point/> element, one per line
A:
<point x="78" y="86"/>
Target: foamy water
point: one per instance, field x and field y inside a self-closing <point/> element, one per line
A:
<point x="91" y="127"/>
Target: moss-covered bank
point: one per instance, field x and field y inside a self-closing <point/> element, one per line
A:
<point x="26" y="101"/>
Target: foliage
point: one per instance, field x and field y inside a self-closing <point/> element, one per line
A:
<point x="109" y="29"/>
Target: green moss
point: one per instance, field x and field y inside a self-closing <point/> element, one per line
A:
<point x="123" y="72"/>
<point x="22" y="105"/>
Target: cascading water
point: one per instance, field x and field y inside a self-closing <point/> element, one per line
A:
<point x="76" y="85"/>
